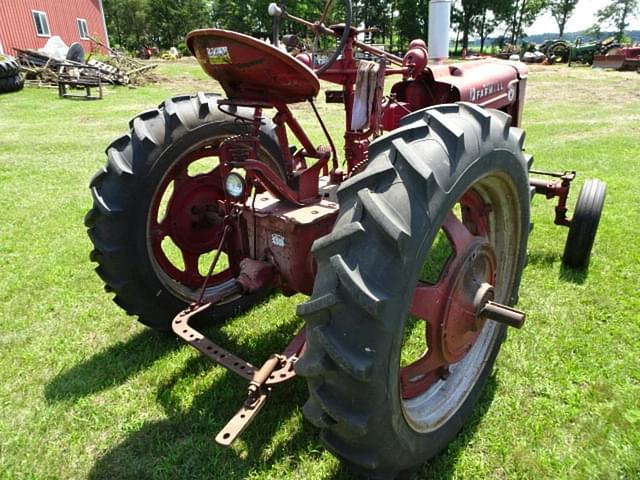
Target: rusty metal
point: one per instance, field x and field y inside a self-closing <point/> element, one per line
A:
<point x="214" y="262"/>
<point x="240" y="421"/>
<point x="251" y="70"/>
<point x="555" y="188"/>
<point x="450" y="308"/>
<point x="260" y="378"/>
<point x="503" y="314"/>
<point x="255" y="274"/>
<point x="284" y="234"/>
<point x="618" y="62"/>
<point x="277" y="369"/>
<point x="209" y="349"/>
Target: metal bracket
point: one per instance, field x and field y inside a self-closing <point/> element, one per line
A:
<point x="277" y="369"/>
<point x="555" y="188"/>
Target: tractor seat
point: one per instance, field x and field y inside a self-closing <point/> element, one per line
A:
<point x="250" y="70"/>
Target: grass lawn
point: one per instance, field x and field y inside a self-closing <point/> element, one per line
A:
<point x="87" y="392"/>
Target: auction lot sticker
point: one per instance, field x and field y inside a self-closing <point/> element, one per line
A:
<point x="218" y="55"/>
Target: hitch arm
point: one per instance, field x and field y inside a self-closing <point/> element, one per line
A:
<point x="277" y="369"/>
<point x="256" y="398"/>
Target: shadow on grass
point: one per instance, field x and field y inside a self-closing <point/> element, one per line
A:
<point x="567" y="274"/>
<point x="110" y="367"/>
<point x="577" y="276"/>
<point x="182" y="445"/>
<point x="542" y="258"/>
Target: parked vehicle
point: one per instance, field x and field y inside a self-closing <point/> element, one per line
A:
<point x="417" y="230"/>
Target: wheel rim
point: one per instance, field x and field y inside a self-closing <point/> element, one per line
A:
<point x="483" y="235"/>
<point x="184" y="227"/>
<point x="558" y="52"/>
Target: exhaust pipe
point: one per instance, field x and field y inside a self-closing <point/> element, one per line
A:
<point x="439" y="22"/>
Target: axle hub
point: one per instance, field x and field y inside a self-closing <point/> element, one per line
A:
<point x="456" y="308"/>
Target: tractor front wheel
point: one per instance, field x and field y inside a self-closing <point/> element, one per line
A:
<point x="397" y="351"/>
<point x="156" y="222"/>
<point x="584" y="224"/>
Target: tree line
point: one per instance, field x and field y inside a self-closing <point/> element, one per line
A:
<point x="164" y="23"/>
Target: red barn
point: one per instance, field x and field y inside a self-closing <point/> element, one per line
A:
<point x="30" y="23"/>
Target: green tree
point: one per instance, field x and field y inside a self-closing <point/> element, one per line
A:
<point x="486" y="24"/>
<point x="229" y="14"/>
<point x="479" y="17"/>
<point x="520" y="14"/>
<point x="617" y="14"/>
<point x="594" y="31"/>
<point x="469" y="11"/>
<point x="412" y="21"/>
<point x="562" y="10"/>
<point x="127" y="22"/>
<point x="171" y="20"/>
<point x="373" y="14"/>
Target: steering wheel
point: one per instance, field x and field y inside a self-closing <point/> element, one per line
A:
<point x="318" y="28"/>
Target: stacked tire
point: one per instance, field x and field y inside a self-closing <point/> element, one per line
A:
<point x="10" y="78"/>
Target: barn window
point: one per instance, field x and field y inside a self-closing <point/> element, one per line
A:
<point x="42" y="23"/>
<point x="82" y="28"/>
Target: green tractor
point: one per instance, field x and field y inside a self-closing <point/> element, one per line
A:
<point x="557" y="51"/>
<point x="561" y="51"/>
<point x="585" y="52"/>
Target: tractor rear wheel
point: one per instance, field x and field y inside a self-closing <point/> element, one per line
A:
<point x="8" y="66"/>
<point x="558" y="52"/>
<point x="10" y="78"/>
<point x="437" y="223"/>
<point x="11" y="84"/>
<point x="155" y="224"/>
<point x="584" y="224"/>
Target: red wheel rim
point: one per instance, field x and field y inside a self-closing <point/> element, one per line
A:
<point x="449" y="307"/>
<point x="191" y="217"/>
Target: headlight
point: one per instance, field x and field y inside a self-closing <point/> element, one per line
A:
<point x="234" y="185"/>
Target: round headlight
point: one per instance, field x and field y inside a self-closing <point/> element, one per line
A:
<point x="234" y="185"/>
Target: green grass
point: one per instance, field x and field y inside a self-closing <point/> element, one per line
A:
<point x="86" y="392"/>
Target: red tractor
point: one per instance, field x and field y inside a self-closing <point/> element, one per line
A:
<point x="410" y="243"/>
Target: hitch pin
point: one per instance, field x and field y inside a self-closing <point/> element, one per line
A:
<point x="256" y="398"/>
<point x="260" y="377"/>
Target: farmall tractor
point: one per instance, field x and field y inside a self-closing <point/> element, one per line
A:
<point x="410" y="243"/>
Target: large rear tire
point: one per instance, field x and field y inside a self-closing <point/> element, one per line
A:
<point x="153" y="204"/>
<point x="11" y="84"/>
<point x="8" y="67"/>
<point x="373" y="413"/>
<point x="558" y="52"/>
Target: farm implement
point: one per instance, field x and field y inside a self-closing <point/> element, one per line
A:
<point x="624" y="58"/>
<point x="414" y="234"/>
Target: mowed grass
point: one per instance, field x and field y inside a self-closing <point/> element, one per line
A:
<point x="86" y="392"/>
